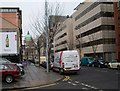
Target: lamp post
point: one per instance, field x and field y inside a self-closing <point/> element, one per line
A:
<point x="46" y="23"/>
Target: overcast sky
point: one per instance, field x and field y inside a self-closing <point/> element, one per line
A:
<point x="31" y="9"/>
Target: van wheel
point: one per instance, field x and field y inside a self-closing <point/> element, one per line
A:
<point x="61" y="71"/>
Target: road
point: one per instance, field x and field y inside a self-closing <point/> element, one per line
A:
<point x="88" y="78"/>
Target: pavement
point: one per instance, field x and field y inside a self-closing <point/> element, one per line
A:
<point x="34" y="76"/>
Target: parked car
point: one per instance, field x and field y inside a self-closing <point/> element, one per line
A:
<point x="9" y="72"/>
<point x="44" y="64"/>
<point x="7" y="61"/>
<point x="87" y="61"/>
<point x="3" y="60"/>
<point x="99" y="63"/>
<point x="114" y="64"/>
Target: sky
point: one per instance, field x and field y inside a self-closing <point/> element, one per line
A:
<point x="34" y="8"/>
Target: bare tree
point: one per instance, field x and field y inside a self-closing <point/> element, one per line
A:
<point x="50" y="24"/>
<point x="93" y="44"/>
<point x="45" y="27"/>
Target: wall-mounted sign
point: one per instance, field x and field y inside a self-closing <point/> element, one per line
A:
<point x="8" y="43"/>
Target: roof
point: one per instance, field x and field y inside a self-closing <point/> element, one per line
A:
<point x="76" y="8"/>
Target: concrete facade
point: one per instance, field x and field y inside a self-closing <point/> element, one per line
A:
<point x="54" y="21"/>
<point x="63" y="40"/>
<point x="93" y="26"/>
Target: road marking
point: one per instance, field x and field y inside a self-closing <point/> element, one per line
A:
<point x="72" y="83"/>
<point x="76" y="82"/>
<point x="88" y="86"/>
<point x="69" y="82"/>
<point x="84" y="88"/>
<point x="67" y="78"/>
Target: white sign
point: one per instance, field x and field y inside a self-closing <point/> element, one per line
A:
<point x="8" y="43"/>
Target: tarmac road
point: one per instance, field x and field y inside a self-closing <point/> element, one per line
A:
<point x="88" y="78"/>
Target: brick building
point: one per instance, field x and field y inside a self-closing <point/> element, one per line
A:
<point x="117" y="27"/>
<point x="11" y="20"/>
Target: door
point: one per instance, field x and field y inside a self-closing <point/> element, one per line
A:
<point x="71" y="61"/>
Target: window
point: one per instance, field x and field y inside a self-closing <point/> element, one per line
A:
<point x="90" y="8"/>
<point x="8" y="10"/>
<point x="3" y="67"/>
<point x="93" y="18"/>
<point x="57" y="58"/>
<point x="100" y="41"/>
<point x="11" y="67"/>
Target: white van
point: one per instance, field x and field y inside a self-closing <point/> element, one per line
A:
<point x="67" y="61"/>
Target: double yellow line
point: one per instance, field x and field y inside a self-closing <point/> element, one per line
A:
<point x="67" y="78"/>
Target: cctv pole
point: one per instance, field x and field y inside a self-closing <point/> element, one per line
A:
<point x="46" y="28"/>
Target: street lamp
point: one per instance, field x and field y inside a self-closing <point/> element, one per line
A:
<point x="46" y="26"/>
